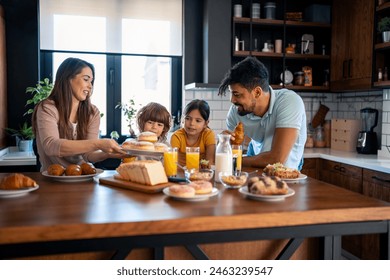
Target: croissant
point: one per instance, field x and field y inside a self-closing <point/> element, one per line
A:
<point x="17" y="181"/>
<point x="87" y="169"/>
<point x="239" y="134"/>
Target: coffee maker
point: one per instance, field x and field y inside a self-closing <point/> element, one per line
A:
<point x="367" y="142"/>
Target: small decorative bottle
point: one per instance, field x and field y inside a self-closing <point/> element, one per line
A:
<point x="380" y="76"/>
<point x="385" y="74"/>
<point x="223" y="156"/>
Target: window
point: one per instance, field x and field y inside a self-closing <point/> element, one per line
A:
<point x="136" y="51"/>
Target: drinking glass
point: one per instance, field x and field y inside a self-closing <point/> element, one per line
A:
<point x="170" y="162"/>
<point x="237" y="158"/>
<point x="192" y="157"/>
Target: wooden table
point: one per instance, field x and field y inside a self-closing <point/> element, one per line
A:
<point x="75" y="217"/>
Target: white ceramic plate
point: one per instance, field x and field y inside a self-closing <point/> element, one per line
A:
<point x="16" y="193"/>
<point x="246" y="193"/>
<point x="197" y="197"/>
<point x="300" y="178"/>
<point x="72" y="179"/>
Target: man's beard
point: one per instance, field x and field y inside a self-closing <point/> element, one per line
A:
<point x="242" y="112"/>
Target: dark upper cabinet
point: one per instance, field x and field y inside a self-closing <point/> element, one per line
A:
<point x="352" y="39"/>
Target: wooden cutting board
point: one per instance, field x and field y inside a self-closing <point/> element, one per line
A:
<point x="114" y="181"/>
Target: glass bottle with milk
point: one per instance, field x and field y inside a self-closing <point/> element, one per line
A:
<point x="223" y="155"/>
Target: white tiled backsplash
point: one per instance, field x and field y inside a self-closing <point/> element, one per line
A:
<point x="341" y="105"/>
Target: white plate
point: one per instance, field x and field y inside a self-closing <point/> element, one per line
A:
<point x="197" y="197"/>
<point x="16" y="193"/>
<point x="72" y="179"/>
<point x="245" y="192"/>
<point x="300" y="178"/>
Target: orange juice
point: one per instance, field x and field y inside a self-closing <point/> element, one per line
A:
<point x="170" y="162"/>
<point x="192" y="157"/>
<point x="237" y="153"/>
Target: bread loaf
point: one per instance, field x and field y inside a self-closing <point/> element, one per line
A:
<point x="146" y="172"/>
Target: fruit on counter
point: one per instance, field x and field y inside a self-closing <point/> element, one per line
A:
<point x="239" y="134"/>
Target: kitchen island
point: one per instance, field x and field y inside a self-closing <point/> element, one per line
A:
<point x="87" y="216"/>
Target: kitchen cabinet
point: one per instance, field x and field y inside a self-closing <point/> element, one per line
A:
<point x="352" y="39"/>
<point x="309" y="167"/>
<point x="249" y="36"/>
<point x="376" y="184"/>
<point x="340" y="174"/>
<point x="381" y="49"/>
<point x="3" y="79"/>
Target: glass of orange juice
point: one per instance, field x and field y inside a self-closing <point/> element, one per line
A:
<point x="192" y="157"/>
<point x="170" y="162"/>
<point x="237" y="157"/>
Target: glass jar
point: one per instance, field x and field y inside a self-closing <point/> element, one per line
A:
<point x="223" y="156"/>
<point x="309" y="140"/>
<point x="319" y="137"/>
<point x="299" y="79"/>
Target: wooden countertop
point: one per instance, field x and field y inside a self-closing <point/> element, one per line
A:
<point x="61" y="211"/>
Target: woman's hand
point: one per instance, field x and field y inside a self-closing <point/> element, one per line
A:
<point x="110" y="146"/>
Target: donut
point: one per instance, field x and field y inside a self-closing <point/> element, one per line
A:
<point x="130" y="144"/>
<point x="147" y="136"/>
<point x="144" y="145"/>
<point x="182" y="190"/>
<point x="201" y="186"/>
<point x="161" y="147"/>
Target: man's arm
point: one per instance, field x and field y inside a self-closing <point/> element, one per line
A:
<point x="282" y="143"/>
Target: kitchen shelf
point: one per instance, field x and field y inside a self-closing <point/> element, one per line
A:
<point x="385" y="84"/>
<point x="382" y="46"/>
<point x="255" y="32"/>
<point x="383" y="7"/>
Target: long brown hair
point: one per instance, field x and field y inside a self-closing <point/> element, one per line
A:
<point x="62" y="96"/>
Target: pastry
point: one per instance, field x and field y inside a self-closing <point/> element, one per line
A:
<point x="73" y="170"/>
<point x="148" y="136"/>
<point x="182" y="190"/>
<point x="281" y="171"/>
<point x="267" y="185"/>
<point x="238" y="134"/>
<point x="16" y="181"/>
<point x="55" y="169"/>
<point x="161" y="147"/>
<point x="87" y="169"/>
<point x="201" y="186"/>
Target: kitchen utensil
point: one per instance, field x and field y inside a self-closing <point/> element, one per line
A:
<point x="319" y="117"/>
<point x="307" y="45"/>
<point x="367" y="142"/>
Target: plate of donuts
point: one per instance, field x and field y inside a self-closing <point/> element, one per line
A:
<point x="195" y="191"/>
<point x="274" y="197"/>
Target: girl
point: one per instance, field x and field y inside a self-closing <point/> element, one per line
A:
<point x="154" y="117"/>
<point x="195" y="132"/>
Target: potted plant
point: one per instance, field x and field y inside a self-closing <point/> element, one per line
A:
<point x="40" y="92"/>
<point x="130" y="113"/>
<point x="24" y="137"/>
<point x="384" y="28"/>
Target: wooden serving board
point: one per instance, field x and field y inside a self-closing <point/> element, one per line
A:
<point x="116" y="182"/>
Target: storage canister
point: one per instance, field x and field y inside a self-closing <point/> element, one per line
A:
<point x="299" y="79"/>
<point x="270" y="8"/>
